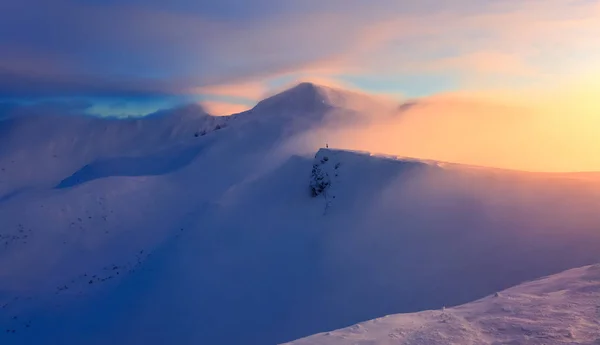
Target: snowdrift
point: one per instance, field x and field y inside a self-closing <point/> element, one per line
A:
<point x="559" y="309"/>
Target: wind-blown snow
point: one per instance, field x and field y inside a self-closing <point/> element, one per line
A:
<point x="559" y="309"/>
<point x="142" y="232"/>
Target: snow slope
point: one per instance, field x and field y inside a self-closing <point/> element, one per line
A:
<point x="559" y="309"/>
<point x="62" y="143"/>
<point x="169" y="237"/>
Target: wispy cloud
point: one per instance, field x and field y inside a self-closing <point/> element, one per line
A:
<point x="236" y="48"/>
<point x="223" y="108"/>
<point x="247" y="90"/>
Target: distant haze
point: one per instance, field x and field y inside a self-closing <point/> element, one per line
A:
<point x="515" y="132"/>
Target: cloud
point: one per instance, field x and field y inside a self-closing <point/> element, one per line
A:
<point x="507" y="43"/>
<point x="44" y="108"/>
<point x="187" y="44"/>
<point x="534" y="130"/>
<point x="486" y="62"/>
<point x="246" y="90"/>
<point x="25" y="85"/>
<point x="223" y="108"/>
<point x="183" y="47"/>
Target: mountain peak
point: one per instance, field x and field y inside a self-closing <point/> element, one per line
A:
<point x="309" y="87"/>
<point x="308" y="97"/>
<point x="304" y="97"/>
<point x="307" y="91"/>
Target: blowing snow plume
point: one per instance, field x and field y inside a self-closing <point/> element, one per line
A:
<point x="489" y="130"/>
<point x="531" y="313"/>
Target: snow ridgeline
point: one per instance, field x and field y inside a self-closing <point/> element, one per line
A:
<point x="63" y="143"/>
<point x="327" y="169"/>
<point x="560" y="309"/>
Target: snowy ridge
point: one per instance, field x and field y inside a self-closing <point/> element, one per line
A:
<point x="559" y="309"/>
<point x="309" y="104"/>
<point x="327" y="167"/>
<point x="348" y="154"/>
<point x="64" y="143"/>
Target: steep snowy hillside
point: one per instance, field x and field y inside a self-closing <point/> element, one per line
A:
<point x="559" y="309"/>
<point x="39" y="149"/>
<point x="222" y="239"/>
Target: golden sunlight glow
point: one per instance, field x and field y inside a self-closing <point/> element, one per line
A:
<point x="542" y="131"/>
<point x="223" y="108"/>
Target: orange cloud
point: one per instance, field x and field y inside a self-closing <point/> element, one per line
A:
<point x="320" y="72"/>
<point x="247" y="90"/>
<point x="255" y="88"/>
<point x="538" y="130"/>
<point x="518" y="39"/>
<point x="223" y="108"/>
<point x="488" y="62"/>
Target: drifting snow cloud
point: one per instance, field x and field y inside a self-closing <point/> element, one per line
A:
<point x="508" y="130"/>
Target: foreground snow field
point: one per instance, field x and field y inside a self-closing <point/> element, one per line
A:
<point x="559" y="309"/>
<point x="185" y="228"/>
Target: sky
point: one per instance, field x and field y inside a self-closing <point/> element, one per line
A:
<point x="131" y="57"/>
<point x="505" y="83"/>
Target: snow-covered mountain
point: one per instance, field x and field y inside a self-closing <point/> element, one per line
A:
<point x="187" y="228"/>
<point x="559" y="309"/>
<point x="62" y="142"/>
